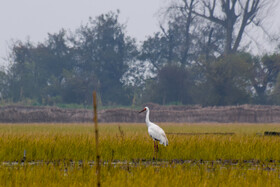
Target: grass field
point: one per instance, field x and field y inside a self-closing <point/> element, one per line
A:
<point x="63" y="155"/>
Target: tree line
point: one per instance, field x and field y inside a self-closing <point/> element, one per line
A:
<point x="196" y="57"/>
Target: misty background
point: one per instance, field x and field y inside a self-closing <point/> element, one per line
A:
<point x="209" y="52"/>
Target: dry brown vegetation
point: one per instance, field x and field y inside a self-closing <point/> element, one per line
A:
<point x="226" y="114"/>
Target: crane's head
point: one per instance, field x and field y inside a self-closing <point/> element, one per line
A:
<point x="146" y="108"/>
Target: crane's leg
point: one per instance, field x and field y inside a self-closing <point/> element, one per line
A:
<point x="154" y="150"/>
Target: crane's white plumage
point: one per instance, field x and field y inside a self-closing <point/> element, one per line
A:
<point x="158" y="134"/>
<point x="154" y="130"/>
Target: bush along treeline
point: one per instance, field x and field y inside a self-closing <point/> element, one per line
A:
<point x="195" y="58"/>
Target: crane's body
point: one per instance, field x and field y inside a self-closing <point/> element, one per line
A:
<point x="156" y="133"/>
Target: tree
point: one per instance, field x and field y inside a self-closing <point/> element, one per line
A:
<point x="226" y="82"/>
<point x="234" y="16"/>
<point x="3" y="84"/>
<point x="21" y="72"/>
<point x="182" y="29"/>
<point x="59" y="59"/>
<point x="104" y="52"/>
<point x="67" y="69"/>
<point x="156" y="51"/>
<point x="263" y="76"/>
<point x="172" y="85"/>
<point x="175" y="41"/>
<point x="36" y="68"/>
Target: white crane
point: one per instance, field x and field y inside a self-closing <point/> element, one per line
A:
<point x="155" y="131"/>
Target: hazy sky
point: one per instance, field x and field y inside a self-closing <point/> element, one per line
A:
<point x="20" y="19"/>
<point x="35" y="18"/>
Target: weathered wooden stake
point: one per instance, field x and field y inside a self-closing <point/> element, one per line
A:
<point x="96" y="138"/>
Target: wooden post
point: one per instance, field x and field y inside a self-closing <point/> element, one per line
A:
<point x="96" y="138"/>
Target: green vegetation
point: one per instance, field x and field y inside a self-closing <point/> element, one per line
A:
<point x="56" y="142"/>
<point x="62" y="155"/>
<point x="195" y="57"/>
<point x="141" y="175"/>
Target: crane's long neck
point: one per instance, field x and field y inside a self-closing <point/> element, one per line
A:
<point x="148" y="118"/>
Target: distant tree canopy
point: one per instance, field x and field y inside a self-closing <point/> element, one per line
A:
<point x="194" y="58"/>
<point x="68" y="69"/>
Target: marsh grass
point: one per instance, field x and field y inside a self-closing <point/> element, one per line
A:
<point x="64" y="153"/>
<point x="143" y="175"/>
<point x="55" y="142"/>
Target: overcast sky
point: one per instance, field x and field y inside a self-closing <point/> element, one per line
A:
<point x="20" y="19"/>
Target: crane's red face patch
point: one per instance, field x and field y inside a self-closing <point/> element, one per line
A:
<point x="143" y="110"/>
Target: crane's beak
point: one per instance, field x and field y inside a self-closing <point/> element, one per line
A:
<point x="142" y="110"/>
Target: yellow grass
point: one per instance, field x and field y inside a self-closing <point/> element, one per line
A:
<point x="52" y="142"/>
<point x="141" y="175"/>
<point x="55" y="146"/>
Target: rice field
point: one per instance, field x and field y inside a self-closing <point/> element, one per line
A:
<point x="63" y="155"/>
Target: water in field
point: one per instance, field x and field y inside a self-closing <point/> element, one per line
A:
<point x="142" y="174"/>
<point x="198" y="155"/>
